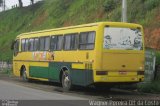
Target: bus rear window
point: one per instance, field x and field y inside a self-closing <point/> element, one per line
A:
<point x="122" y="38"/>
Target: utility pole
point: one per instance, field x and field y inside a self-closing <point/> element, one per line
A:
<point x="124" y="10"/>
<point x="4" y="5"/>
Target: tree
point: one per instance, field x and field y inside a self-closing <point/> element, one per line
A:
<point x="32" y="2"/>
<point x="20" y="3"/>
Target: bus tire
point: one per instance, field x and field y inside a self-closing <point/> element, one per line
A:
<point x="24" y="75"/>
<point x="66" y="81"/>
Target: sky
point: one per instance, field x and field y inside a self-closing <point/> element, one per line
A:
<point x="10" y="3"/>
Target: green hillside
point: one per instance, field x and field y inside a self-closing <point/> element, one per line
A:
<point x="58" y="13"/>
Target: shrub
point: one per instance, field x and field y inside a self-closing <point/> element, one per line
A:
<point x="151" y="4"/>
<point x="110" y="5"/>
<point x="153" y="87"/>
<point x="158" y="58"/>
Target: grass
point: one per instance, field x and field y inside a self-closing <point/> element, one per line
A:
<point x="57" y="13"/>
<point x="152" y="87"/>
<point x="158" y="57"/>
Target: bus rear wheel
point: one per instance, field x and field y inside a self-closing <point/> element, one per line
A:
<point x="66" y="81"/>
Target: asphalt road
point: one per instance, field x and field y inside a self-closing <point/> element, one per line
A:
<point x="12" y="91"/>
<point x="13" y="88"/>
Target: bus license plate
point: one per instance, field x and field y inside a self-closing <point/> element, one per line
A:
<point x="122" y="72"/>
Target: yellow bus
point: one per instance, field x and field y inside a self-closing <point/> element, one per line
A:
<point x="90" y="54"/>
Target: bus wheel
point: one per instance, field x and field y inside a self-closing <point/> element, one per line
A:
<point x="66" y="81"/>
<point x="24" y="75"/>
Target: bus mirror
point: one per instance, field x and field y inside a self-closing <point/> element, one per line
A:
<point x="12" y="45"/>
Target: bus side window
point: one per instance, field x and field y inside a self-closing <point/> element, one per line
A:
<point x="47" y="43"/>
<point x="41" y="45"/>
<point x="91" y="40"/>
<point x="23" y="45"/>
<point x="70" y="42"/>
<point x="53" y="44"/>
<point x="86" y="40"/>
<point x="56" y="42"/>
<point x="36" y="44"/>
<point x="59" y="42"/>
<point x="26" y="45"/>
<point x="74" y="41"/>
<point x="44" y="43"/>
<point x="16" y="47"/>
<point x="31" y="44"/>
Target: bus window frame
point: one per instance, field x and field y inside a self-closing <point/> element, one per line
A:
<point x="26" y="47"/>
<point x="23" y="50"/>
<point x="77" y="41"/>
<point x="37" y="49"/>
<point x="29" y="44"/>
<point x="44" y="43"/>
<point x="40" y="43"/>
<point x="87" y="43"/>
<point x="60" y="35"/>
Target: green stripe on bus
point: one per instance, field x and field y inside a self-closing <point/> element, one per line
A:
<point x="82" y="77"/>
<point x="78" y="77"/>
<point x="38" y="72"/>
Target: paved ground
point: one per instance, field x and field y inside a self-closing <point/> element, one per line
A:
<point x="14" y="88"/>
<point x="12" y="91"/>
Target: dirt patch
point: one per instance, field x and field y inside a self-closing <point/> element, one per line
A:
<point x="67" y="23"/>
<point x="152" y="38"/>
<point x="40" y="19"/>
<point x="100" y="13"/>
<point x="152" y="33"/>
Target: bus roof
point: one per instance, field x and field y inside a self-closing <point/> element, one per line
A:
<point x="78" y="26"/>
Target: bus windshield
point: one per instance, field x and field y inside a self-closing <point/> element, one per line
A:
<point x="122" y="38"/>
